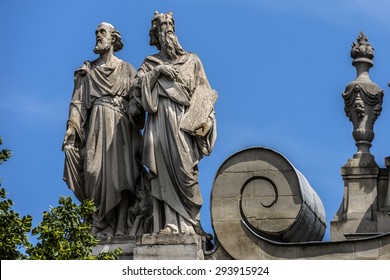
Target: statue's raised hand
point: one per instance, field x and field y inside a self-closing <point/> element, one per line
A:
<point x="204" y="128"/>
<point x="168" y="71"/>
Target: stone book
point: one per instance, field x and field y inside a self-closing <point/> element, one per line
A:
<point x="201" y="105"/>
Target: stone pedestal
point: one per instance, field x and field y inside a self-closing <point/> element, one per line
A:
<point x="386" y="193"/>
<point x="383" y="215"/>
<point x="106" y="244"/>
<point x="169" y="247"/>
<point x="357" y="214"/>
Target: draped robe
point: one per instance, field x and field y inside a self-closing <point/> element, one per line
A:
<point x="102" y="163"/>
<point x="171" y="154"/>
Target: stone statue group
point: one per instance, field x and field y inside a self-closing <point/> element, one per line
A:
<point x="134" y="139"/>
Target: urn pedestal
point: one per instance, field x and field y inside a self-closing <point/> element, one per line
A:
<point x="357" y="215"/>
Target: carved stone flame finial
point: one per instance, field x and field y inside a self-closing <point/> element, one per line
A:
<point x="362" y="48"/>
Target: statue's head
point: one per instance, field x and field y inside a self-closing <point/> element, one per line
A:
<point x="162" y="34"/>
<point x="107" y="36"/>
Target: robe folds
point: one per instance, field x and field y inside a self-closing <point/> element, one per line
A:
<point x="103" y="162"/>
<point x="170" y="153"/>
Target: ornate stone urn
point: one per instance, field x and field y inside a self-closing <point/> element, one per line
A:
<point x="363" y="100"/>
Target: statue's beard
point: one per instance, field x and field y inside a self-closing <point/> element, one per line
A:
<point x="170" y="44"/>
<point x="102" y="46"/>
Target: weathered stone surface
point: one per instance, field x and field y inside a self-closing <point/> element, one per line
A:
<point x="127" y="244"/>
<point x="270" y="252"/>
<point x="385" y="193"/>
<point x="383" y="221"/>
<point x="236" y="243"/>
<point x="359" y="208"/>
<point x="367" y="251"/>
<point x="226" y="209"/>
<point x="325" y="252"/>
<point x="260" y="188"/>
<point x="288" y="209"/>
<point x="340" y="229"/>
<point x="167" y="239"/>
<point x="201" y="106"/>
<point x="169" y="247"/>
<point x="377" y="247"/>
<point x="384" y="249"/>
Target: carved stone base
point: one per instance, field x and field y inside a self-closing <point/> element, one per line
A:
<point x="169" y="247"/>
<point x="106" y="244"/>
<point x="365" y="161"/>
<point x="358" y="210"/>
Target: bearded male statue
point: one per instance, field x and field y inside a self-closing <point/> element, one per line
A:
<point x="100" y="143"/>
<point x="165" y="87"/>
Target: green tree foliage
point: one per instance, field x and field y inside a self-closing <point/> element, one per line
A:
<point x="4" y="153"/>
<point x="13" y="228"/>
<point x="63" y="234"/>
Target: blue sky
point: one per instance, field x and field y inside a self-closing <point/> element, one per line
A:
<point x="279" y="68"/>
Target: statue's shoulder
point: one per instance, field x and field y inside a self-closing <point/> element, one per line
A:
<point x="83" y="69"/>
<point x="195" y="58"/>
<point x="192" y="55"/>
<point x="189" y="57"/>
<point x="126" y="68"/>
<point x="127" y="65"/>
<point x="150" y="62"/>
<point x="153" y="59"/>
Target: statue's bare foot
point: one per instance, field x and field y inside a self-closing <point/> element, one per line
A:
<point x="169" y="229"/>
<point x="165" y="230"/>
